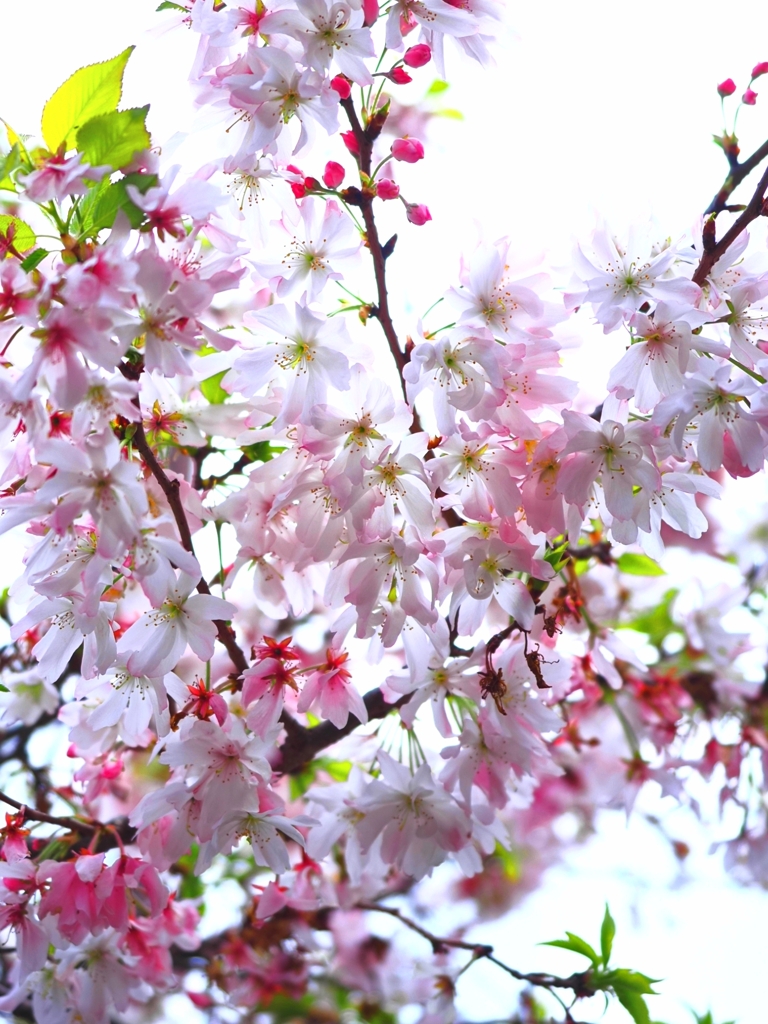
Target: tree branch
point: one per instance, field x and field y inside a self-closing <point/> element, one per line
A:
<point x="302" y="744"/>
<point x="714" y="250"/>
<point x="71" y="824"/>
<point x="170" y="489"/>
<point x="577" y="983"/>
<point x="363" y="198"/>
<point x="737" y="174"/>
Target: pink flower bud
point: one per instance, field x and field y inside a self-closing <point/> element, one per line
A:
<point x="417" y="213"/>
<point x="349" y="140"/>
<point x="333" y="175"/>
<point x="399" y="76"/>
<point x="370" y="12"/>
<point x="387" y="189"/>
<point x="727" y="88"/>
<point x="343" y="86"/>
<point x="749" y="97"/>
<point x="419" y="55"/>
<point x="408" y="150"/>
<point x="760" y="69"/>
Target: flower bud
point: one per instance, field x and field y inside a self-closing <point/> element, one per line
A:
<point x="399" y="76"/>
<point x="727" y="88"/>
<point x="417" y="213"/>
<point x="349" y="140"/>
<point x="749" y="97"/>
<point x="370" y="12"/>
<point x="419" y="55"/>
<point x="760" y="69"/>
<point x="333" y="175"/>
<point x="410" y="151"/>
<point x="343" y="86"/>
<point x="387" y="189"/>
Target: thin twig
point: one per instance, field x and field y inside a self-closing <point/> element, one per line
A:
<point x="714" y="250"/>
<point x="576" y="982"/>
<point x="72" y="824"/>
<point x="738" y="172"/>
<point x="171" y="490"/>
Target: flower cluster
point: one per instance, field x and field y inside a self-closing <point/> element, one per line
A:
<point x="245" y="543"/>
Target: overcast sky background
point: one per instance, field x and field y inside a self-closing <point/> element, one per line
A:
<point x="592" y="108"/>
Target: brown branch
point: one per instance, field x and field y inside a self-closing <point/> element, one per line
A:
<point x="578" y="982"/>
<point x="363" y="198"/>
<point x="71" y="824"/>
<point x="302" y="744"/>
<point x="170" y="489"/>
<point x="737" y="174"/>
<point x="714" y="250"/>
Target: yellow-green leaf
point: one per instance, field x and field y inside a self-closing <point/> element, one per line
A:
<point x="607" y="933"/>
<point x="89" y="92"/>
<point x="16" y="232"/>
<point x="212" y="389"/>
<point x="638" y="565"/>
<point x="114" y="138"/>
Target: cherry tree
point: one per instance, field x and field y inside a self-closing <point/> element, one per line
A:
<point x="319" y="603"/>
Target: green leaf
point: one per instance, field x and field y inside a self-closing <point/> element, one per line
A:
<point x="451" y="113"/>
<point x="261" y="451"/>
<point x="607" y="932"/>
<point x="168" y="5"/>
<point x="8" y="165"/>
<point x="114" y="138"/>
<point x="99" y="208"/>
<point x="338" y="770"/>
<point x="638" y="565"/>
<point x="633" y="980"/>
<point x="18" y="232"/>
<point x="89" y="92"/>
<point x="34" y="259"/>
<point x="212" y="389"/>
<point x="634" y="1004"/>
<point x="4" y="688"/>
<point x="576" y="945"/>
<point x="656" y="622"/>
<point x="437" y="88"/>
<point x="299" y="782"/>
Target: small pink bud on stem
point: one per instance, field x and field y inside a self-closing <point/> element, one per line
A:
<point x="333" y="175"/>
<point x="410" y="151"/>
<point x="419" y="55"/>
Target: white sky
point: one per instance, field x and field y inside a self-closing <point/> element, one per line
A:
<point x="593" y="107"/>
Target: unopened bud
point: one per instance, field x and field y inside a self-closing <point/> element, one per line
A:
<point x="417" y="213"/>
<point x="419" y="55"/>
<point x="399" y="76"/>
<point x="760" y="69"/>
<point x="727" y="88"/>
<point x="749" y="98"/>
<point x="370" y="12"/>
<point x="387" y="189"/>
<point x="410" y="151"/>
<point x="343" y="86"/>
<point x="349" y="140"/>
<point x="333" y="175"/>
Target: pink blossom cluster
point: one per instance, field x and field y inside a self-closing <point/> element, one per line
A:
<point x="445" y="535"/>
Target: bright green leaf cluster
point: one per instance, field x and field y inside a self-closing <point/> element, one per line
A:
<point x="629" y="987"/>
<point x="90" y="92"/>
